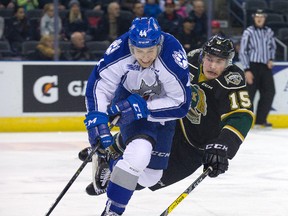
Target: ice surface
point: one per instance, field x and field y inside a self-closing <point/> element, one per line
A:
<point x="35" y="168"/>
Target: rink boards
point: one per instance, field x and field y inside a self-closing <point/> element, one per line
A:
<point x="49" y="96"/>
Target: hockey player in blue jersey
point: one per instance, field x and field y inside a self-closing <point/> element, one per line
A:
<point x="144" y="78"/>
<point x="216" y="125"/>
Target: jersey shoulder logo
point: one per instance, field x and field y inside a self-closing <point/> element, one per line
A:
<point x="180" y="58"/>
<point x="193" y="52"/>
<point x="233" y="77"/>
<point x="113" y="47"/>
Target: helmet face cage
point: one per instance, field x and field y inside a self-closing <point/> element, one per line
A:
<point x="144" y="32"/>
<point x="220" y="47"/>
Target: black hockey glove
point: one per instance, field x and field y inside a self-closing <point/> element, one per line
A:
<point x="215" y="155"/>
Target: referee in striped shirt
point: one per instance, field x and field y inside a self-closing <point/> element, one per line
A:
<point x="257" y="51"/>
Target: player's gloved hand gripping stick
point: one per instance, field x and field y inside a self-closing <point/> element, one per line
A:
<point x="131" y="109"/>
<point x="79" y="170"/>
<point x="97" y="126"/>
<point x="215" y="156"/>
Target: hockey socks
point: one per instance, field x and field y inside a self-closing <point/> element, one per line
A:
<point x="118" y="198"/>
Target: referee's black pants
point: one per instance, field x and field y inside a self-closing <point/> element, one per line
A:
<point x="264" y="82"/>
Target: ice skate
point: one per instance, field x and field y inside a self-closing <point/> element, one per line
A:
<point x="90" y="190"/>
<point x="100" y="171"/>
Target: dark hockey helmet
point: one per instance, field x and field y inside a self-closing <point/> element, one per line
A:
<point x="144" y="32"/>
<point x="220" y="47"/>
<point x="259" y="12"/>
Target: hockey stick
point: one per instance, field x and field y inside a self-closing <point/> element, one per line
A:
<point x="115" y="120"/>
<point x="187" y="191"/>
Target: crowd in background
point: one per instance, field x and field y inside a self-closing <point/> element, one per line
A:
<point x="82" y="21"/>
<point x="186" y="20"/>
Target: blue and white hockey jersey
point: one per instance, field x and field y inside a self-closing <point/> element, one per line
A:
<point x="165" y="84"/>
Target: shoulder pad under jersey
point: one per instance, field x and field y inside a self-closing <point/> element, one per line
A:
<point x="232" y="78"/>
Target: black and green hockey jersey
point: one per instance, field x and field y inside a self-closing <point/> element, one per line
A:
<point x="220" y="110"/>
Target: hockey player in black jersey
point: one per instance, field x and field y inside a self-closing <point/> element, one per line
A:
<point x="219" y="118"/>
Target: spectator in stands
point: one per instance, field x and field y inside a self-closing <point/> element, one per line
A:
<point x="83" y="4"/>
<point x="18" y="30"/>
<point x="187" y="37"/>
<point x="216" y="29"/>
<point x="7" y="4"/>
<point x="2" y="28"/>
<point x="47" y="25"/>
<point x="61" y="3"/>
<point x="237" y="49"/>
<point x="200" y="16"/>
<point x="78" y="50"/>
<point x="183" y="8"/>
<point x="169" y="20"/>
<point x="86" y="4"/>
<point x="138" y="9"/>
<point x="75" y="21"/>
<point x="102" y="4"/>
<point x="127" y="4"/>
<point x="112" y="24"/>
<point x="152" y="8"/>
<point x="257" y="51"/>
<point x="45" y="50"/>
<point x="28" y="4"/>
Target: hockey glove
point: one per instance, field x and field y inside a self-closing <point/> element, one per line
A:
<point x="133" y="108"/>
<point x="97" y="126"/>
<point x="215" y="155"/>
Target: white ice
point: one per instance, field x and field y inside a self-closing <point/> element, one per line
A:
<point x="35" y="168"/>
